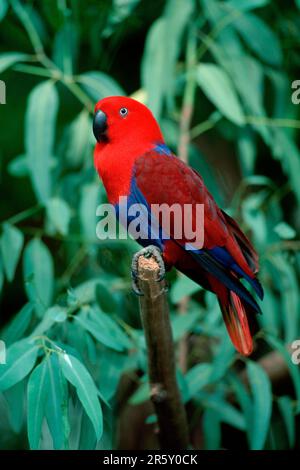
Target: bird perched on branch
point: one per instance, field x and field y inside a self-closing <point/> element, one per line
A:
<point x="133" y="160"/>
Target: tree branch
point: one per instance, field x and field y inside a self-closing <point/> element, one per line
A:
<point x="173" y="429"/>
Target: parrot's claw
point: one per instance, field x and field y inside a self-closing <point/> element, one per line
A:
<point x="147" y="252"/>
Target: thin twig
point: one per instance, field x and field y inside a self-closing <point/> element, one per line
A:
<point x="172" y="422"/>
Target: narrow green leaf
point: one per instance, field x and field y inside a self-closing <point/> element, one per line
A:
<point x="38" y="274"/>
<point x="159" y="62"/>
<point x="285" y="149"/>
<point x="80" y="139"/>
<point x="99" y="85"/>
<point x="105" y="298"/>
<point x="37" y="392"/>
<point x="57" y="404"/>
<point x="18" y="325"/>
<point x="87" y="209"/>
<point x="3" y="9"/>
<point x="285" y="231"/>
<point x="59" y="215"/>
<point x="18" y="167"/>
<point x="246" y="5"/>
<point x="286" y="409"/>
<point x="219" y="89"/>
<point x="211" y="429"/>
<point x="262" y="404"/>
<point x="226" y="413"/>
<point x="294" y="371"/>
<point x="141" y="395"/>
<point x="1" y="274"/>
<point x="105" y="330"/>
<point x="88" y="438"/>
<point x="198" y="377"/>
<point x="12" y="240"/>
<point x="65" y="48"/>
<point x="15" y="397"/>
<point x="183" y="287"/>
<point x="20" y="359"/>
<point x="39" y="136"/>
<point x="79" y="377"/>
<point x="260" y="38"/>
<point x="182" y="324"/>
<point x="153" y="72"/>
<point x="7" y="59"/>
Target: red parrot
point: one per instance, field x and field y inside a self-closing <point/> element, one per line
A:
<point x="133" y="160"/>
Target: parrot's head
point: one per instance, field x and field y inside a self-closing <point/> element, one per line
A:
<point x="121" y="121"/>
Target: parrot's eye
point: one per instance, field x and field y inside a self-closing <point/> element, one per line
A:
<point x="123" y="112"/>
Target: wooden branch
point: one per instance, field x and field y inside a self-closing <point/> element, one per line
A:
<point x="171" y="416"/>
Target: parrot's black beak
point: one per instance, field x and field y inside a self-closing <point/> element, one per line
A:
<point x="100" y="126"/>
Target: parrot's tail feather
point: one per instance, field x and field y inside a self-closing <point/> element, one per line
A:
<point x="244" y="244"/>
<point x="235" y="316"/>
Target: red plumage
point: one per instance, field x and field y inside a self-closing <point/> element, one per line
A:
<point x="129" y="155"/>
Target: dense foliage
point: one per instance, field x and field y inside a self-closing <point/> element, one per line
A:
<point x="218" y="76"/>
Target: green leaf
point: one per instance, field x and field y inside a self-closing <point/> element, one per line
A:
<point x="57" y="314"/>
<point x="285" y="149"/>
<point x="88" y="438"/>
<point x="105" y="298"/>
<point x="79" y="377"/>
<point x="290" y="298"/>
<point x="57" y="404"/>
<point x="1" y="274"/>
<point x="39" y="136"/>
<point x="3" y="9"/>
<point x="246" y="5"/>
<point x="285" y="231"/>
<point x="37" y="393"/>
<point x="161" y="52"/>
<point x="294" y="371"/>
<point x="262" y="405"/>
<point x="12" y="240"/>
<point x="219" y="89"/>
<point x="226" y="412"/>
<point x="59" y="215"/>
<point x="141" y="395"/>
<point x="99" y="85"/>
<point x="80" y="139"/>
<point x="15" y="397"/>
<point x="105" y="330"/>
<point x="182" y="324"/>
<point x="20" y="359"/>
<point x="18" y="325"/>
<point x="18" y="167"/>
<point x="286" y="410"/>
<point x="260" y="38"/>
<point x="7" y="59"/>
<point x="244" y="400"/>
<point x="153" y="72"/>
<point x="87" y="209"/>
<point x="183" y="287"/>
<point x="65" y="47"/>
<point x="38" y="274"/>
<point x="211" y="429"/>
<point x="198" y="377"/>
<point x="111" y="366"/>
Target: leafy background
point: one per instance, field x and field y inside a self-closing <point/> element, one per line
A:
<point x="217" y="75"/>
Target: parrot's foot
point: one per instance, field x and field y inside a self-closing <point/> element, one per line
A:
<point x="147" y="252"/>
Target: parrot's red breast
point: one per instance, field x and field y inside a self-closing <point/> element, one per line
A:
<point x="133" y="160"/>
